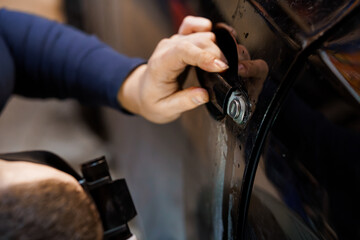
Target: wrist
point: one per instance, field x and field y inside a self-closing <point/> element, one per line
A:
<point x="128" y="94"/>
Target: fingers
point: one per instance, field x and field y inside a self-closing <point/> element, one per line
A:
<point x="190" y="54"/>
<point x="193" y="24"/>
<point x="170" y="108"/>
<point x="185" y="100"/>
<point x="199" y="38"/>
<point x="208" y="60"/>
<point x="173" y="55"/>
<point x="253" y="68"/>
<point x="157" y="96"/>
<point x="205" y="41"/>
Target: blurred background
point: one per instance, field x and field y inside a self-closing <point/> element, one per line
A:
<point x="186" y="178"/>
<point x="149" y="156"/>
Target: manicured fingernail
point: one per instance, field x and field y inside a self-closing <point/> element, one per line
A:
<point x="221" y="64"/>
<point x="198" y="100"/>
<point x="240" y="67"/>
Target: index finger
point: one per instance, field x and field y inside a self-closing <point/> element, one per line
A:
<point x="193" y="24"/>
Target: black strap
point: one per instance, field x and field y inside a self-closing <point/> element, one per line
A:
<point x="42" y="157"/>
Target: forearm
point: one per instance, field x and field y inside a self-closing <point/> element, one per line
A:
<point x="53" y="60"/>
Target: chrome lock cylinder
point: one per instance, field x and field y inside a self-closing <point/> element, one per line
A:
<point x="238" y="107"/>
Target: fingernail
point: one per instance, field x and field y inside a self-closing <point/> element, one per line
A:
<point x="198" y="100"/>
<point x="221" y="64"/>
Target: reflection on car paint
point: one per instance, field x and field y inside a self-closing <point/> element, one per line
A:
<point x="300" y="188"/>
<point x="342" y="55"/>
<point x="348" y="65"/>
<point x="305" y="187"/>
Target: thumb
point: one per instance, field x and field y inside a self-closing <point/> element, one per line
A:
<point x="185" y="100"/>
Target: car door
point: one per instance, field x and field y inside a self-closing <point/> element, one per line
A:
<point x="290" y="171"/>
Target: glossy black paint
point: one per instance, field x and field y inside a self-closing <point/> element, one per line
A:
<point x="291" y="172"/>
<point x="285" y="53"/>
<point x="305" y="43"/>
<point x="282" y="93"/>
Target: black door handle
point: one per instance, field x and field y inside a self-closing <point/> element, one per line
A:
<point x="227" y="94"/>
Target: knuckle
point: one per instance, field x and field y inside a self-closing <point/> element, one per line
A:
<point x="209" y="36"/>
<point x="163" y="42"/>
<point x="188" y="19"/>
<point x="176" y="37"/>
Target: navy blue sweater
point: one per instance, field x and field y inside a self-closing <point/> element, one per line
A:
<point x="41" y="58"/>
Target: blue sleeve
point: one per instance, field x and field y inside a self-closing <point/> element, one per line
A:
<point x="54" y="60"/>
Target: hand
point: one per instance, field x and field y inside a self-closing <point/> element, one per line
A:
<point x="152" y="90"/>
<point x="254" y="73"/>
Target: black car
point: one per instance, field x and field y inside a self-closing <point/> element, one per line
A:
<point x="279" y="157"/>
